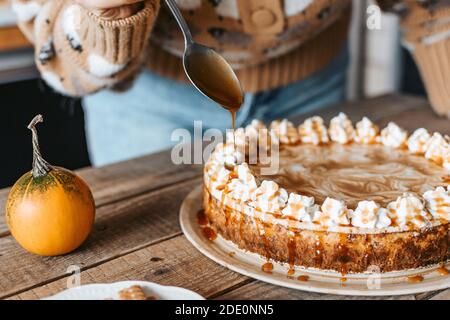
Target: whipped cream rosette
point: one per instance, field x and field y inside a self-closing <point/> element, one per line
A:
<point x="254" y="141"/>
<point x="408" y="209"/>
<point x="285" y="131"/>
<point x="244" y="185"/>
<point x="220" y="179"/>
<point x="301" y="208"/>
<point x="227" y="154"/>
<point x="418" y="140"/>
<point x="313" y="131"/>
<point x="220" y="165"/>
<point x="269" y="197"/>
<point x="237" y="138"/>
<point x="366" y="132"/>
<point x="438" y="202"/>
<point x="369" y="215"/>
<point x="333" y="213"/>
<point x="393" y="136"/>
<point x="436" y="148"/>
<point x="256" y="131"/>
<point x="341" y="129"/>
<point x="254" y="127"/>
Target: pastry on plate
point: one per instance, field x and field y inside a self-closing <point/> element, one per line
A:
<point x="135" y="292"/>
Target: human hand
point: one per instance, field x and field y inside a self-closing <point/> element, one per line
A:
<point x="112" y="9"/>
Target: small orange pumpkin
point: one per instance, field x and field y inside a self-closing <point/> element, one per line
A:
<point x="50" y="210"/>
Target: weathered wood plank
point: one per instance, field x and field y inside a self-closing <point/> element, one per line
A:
<point x="120" y="228"/>
<point x="423" y="118"/>
<point x="172" y="262"/>
<point x="444" y="295"/>
<point x="126" y="179"/>
<point x="379" y="109"/>
<point x="176" y="262"/>
<point x="259" y="290"/>
<point x="3" y="228"/>
<point x="407" y="111"/>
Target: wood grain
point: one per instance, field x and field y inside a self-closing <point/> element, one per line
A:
<point x="408" y="111"/>
<point x="257" y="290"/>
<point x="173" y="262"/>
<point x="176" y="262"/>
<point x="125" y="180"/>
<point x="444" y="295"/>
<point x="120" y="228"/>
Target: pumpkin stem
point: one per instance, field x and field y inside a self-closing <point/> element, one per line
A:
<point x="40" y="166"/>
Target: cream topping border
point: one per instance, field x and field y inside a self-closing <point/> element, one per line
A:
<point x="325" y="217"/>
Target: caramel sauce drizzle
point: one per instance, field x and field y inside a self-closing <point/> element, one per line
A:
<point x="260" y="227"/>
<point x="443" y="271"/>
<point x="267" y="267"/>
<point x="221" y="187"/>
<point x="209" y="233"/>
<point x="227" y="213"/>
<point x="318" y="250"/>
<point x="416" y="278"/>
<point x="213" y="76"/>
<point x="225" y="209"/>
<point x="202" y="220"/>
<point x="292" y="246"/>
<point x="344" y="255"/>
<point x="303" y="278"/>
<point x="290" y="272"/>
<point x="292" y="251"/>
<point x="233" y="121"/>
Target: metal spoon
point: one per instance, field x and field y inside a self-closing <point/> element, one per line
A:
<point x="209" y="72"/>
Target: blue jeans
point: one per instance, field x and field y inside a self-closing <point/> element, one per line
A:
<point x="122" y="126"/>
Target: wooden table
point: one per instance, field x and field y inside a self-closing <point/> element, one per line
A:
<point x="137" y="235"/>
<point x="11" y="38"/>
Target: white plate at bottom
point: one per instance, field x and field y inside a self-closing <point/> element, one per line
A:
<point x="108" y="291"/>
<point x="227" y="254"/>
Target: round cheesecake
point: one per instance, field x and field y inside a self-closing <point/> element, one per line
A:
<point x="343" y="198"/>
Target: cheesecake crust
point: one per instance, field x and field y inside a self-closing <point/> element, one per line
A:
<point x="326" y="250"/>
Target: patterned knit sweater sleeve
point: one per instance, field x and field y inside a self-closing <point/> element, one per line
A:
<point x="79" y="53"/>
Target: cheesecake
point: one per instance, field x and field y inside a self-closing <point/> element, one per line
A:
<point x="344" y="197"/>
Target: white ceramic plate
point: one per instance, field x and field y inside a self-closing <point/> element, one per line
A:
<point x="249" y="264"/>
<point x="109" y="291"/>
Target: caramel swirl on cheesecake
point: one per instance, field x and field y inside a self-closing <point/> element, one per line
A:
<point x="372" y="181"/>
<point x="354" y="173"/>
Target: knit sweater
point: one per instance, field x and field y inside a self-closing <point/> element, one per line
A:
<point x="269" y="43"/>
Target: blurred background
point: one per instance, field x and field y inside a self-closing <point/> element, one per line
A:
<point x="379" y="65"/>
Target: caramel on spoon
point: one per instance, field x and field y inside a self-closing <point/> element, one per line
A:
<point x="208" y="71"/>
